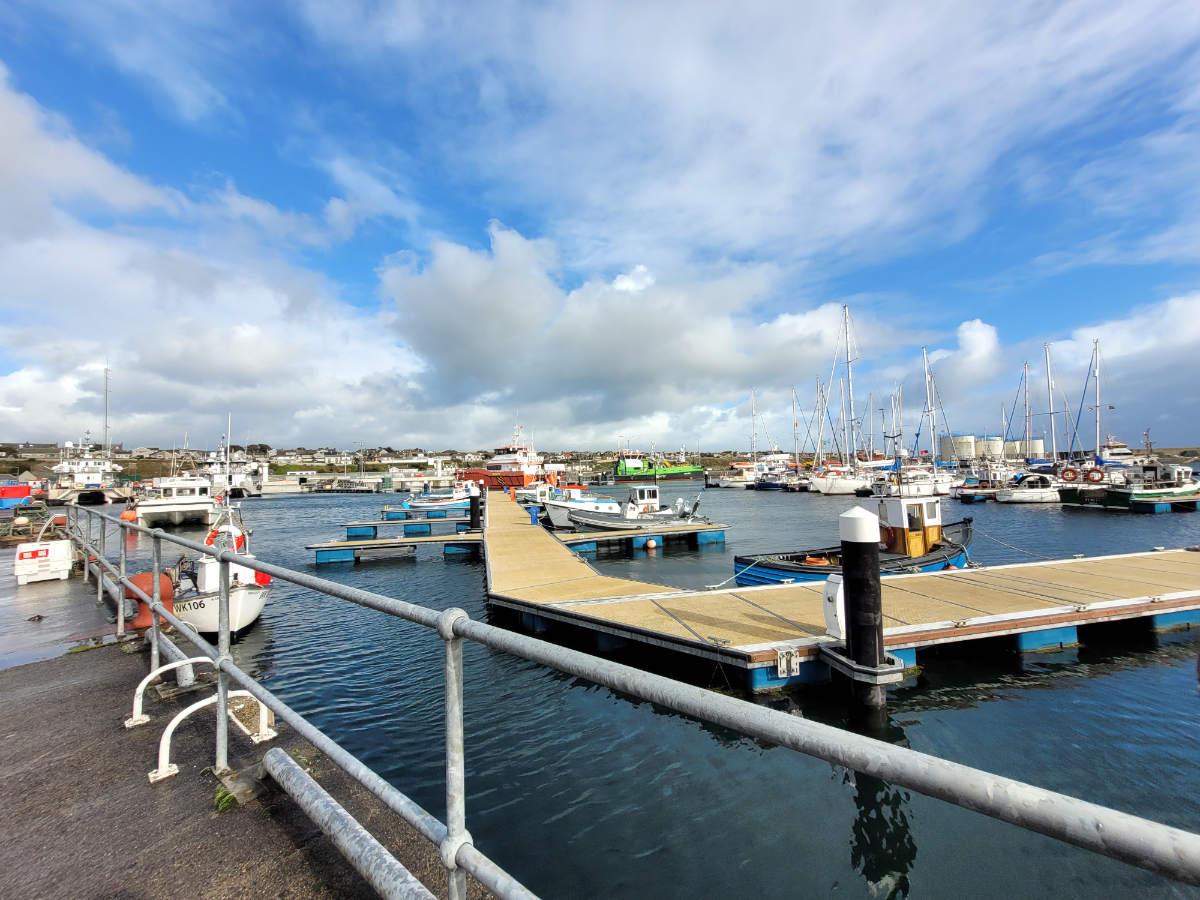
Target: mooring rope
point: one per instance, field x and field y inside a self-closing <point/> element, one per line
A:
<point x="1010" y="546"/>
<point x="713" y="587"/>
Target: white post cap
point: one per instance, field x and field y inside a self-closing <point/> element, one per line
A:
<point x="859" y="526"/>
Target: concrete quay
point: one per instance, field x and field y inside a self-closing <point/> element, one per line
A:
<point x="82" y="819"/>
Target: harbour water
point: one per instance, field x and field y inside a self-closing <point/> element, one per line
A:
<point x="580" y="792"/>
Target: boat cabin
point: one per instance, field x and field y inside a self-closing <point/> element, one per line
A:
<point x="180" y="487"/>
<point x="910" y="526"/>
<point x="644" y="498"/>
<point x="1159" y="475"/>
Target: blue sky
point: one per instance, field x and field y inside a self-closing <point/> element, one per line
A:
<point x="413" y="223"/>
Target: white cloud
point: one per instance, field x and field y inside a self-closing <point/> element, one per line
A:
<point x="636" y="280"/>
<point x="784" y="132"/>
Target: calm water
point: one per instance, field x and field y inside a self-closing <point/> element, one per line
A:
<point x="580" y="792"/>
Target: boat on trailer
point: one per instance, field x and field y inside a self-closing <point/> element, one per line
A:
<point x="912" y="539"/>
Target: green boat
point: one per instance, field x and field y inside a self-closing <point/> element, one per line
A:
<point x="1152" y="487"/>
<point x="634" y="466"/>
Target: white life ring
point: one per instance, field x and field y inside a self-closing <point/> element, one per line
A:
<point x="237" y="539"/>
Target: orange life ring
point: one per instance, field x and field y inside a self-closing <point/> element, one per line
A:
<point x="1094" y="475"/>
<point x="238" y="543"/>
<point x="886" y="533"/>
<point x="1070" y="474"/>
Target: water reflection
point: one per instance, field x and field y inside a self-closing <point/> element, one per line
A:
<point x="882" y="848"/>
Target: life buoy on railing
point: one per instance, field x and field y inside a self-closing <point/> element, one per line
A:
<point x="886" y="533"/>
<point x="1070" y="475"/>
<point x="239" y="539"/>
<point x="1095" y="476"/>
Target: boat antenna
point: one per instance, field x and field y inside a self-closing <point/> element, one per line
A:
<point x="106" y="407"/>
<point x="228" y="442"/>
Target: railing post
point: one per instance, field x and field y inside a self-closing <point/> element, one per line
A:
<point x="84" y="540"/>
<point x="222" y="763"/>
<point x="456" y="781"/>
<point x="102" y="553"/>
<point x="156" y="596"/>
<point x="121" y="587"/>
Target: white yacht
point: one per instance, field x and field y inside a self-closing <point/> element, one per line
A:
<point x="573" y="497"/>
<point x="1032" y="487"/>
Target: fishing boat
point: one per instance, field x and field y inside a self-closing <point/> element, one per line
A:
<point x="516" y="464"/>
<point x="912" y="539"/>
<point x="632" y="465"/>
<point x="640" y="510"/>
<point x="1148" y="487"/>
<point x="176" y="500"/>
<point x="573" y="498"/>
<point x="1032" y="487"/>
<point x="197" y="582"/>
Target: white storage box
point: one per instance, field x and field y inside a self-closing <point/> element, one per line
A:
<point x="42" y="561"/>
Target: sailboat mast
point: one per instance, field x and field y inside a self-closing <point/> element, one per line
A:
<point x="1050" y="406"/>
<point x="845" y="424"/>
<point x="753" y="428"/>
<point x="849" y="427"/>
<point x="871" y="440"/>
<point x="819" y="450"/>
<point x="795" y="433"/>
<point x="1096" y="354"/>
<point x="929" y="408"/>
<point x="1028" y="417"/>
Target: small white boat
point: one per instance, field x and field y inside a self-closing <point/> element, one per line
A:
<point x="457" y="498"/>
<point x="1033" y="487"/>
<point x="573" y="498"/>
<point x="640" y="510"/>
<point x="177" y="500"/>
<point x="197" y="580"/>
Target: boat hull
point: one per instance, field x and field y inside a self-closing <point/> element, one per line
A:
<point x="675" y="473"/>
<point x="601" y="522"/>
<point x="175" y="516"/>
<point x="1126" y="500"/>
<point x="246" y="603"/>
<point x="784" y="568"/>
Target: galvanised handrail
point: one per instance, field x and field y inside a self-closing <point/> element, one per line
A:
<point x="1140" y="842"/>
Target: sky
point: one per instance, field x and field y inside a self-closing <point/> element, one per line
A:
<point x="420" y="224"/>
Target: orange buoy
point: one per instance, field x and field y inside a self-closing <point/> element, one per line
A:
<point x="144" y="581"/>
<point x="815" y="561"/>
<point x="128" y="515"/>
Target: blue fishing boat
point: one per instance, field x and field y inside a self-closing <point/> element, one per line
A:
<point x="912" y="539"/>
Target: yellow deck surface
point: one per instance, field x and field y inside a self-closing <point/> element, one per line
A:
<point x="528" y="565"/>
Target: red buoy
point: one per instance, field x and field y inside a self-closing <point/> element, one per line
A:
<point x="145" y="582"/>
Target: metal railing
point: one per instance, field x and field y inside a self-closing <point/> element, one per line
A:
<point x="1159" y="848"/>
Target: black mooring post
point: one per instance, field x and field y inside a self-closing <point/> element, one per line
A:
<point x="859" y="530"/>
<point x="474" y="509"/>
